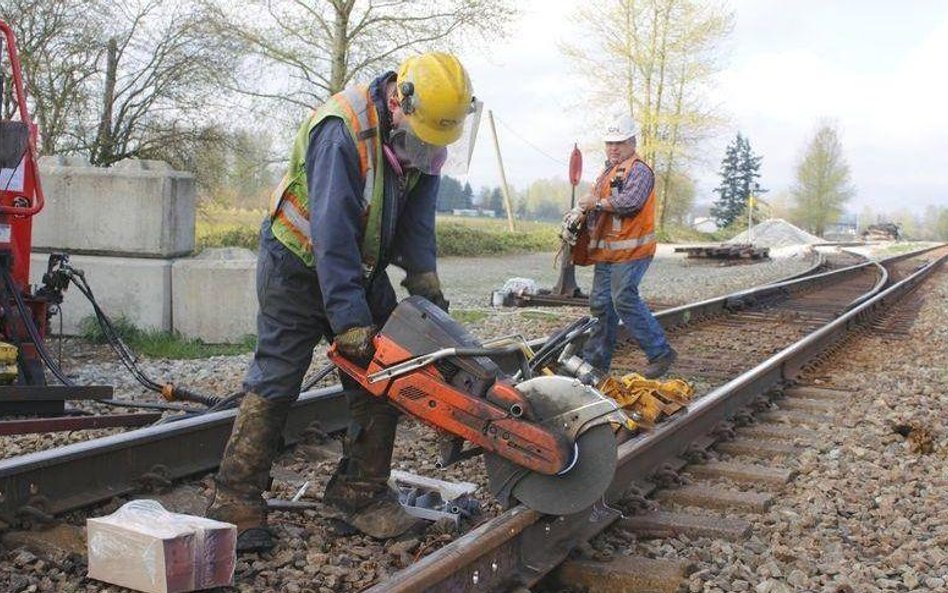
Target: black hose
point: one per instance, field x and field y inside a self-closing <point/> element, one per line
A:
<point x="54" y="368"/>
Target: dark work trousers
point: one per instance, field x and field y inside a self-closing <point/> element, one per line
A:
<point x="615" y="296"/>
<point x="292" y="320"/>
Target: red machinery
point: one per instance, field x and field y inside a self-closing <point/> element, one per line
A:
<point x="21" y="196"/>
<point x="23" y="314"/>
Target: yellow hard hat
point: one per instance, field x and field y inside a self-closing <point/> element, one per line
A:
<point x="436" y="95"/>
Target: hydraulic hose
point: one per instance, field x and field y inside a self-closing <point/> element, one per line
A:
<point x="39" y="343"/>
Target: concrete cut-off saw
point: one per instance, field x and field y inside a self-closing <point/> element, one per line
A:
<point x="548" y="441"/>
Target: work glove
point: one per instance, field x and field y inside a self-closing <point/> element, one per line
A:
<point x="572" y="223"/>
<point x="356" y="343"/>
<point x="426" y="285"/>
<point x="587" y="201"/>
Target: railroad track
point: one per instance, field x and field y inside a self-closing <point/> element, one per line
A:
<point x="518" y="546"/>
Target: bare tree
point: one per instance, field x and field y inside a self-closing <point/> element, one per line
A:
<point x="655" y="58"/>
<point x="158" y="78"/>
<point x="320" y="46"/>
<point x="823" y="182"/>
<point x="58" y="50"/>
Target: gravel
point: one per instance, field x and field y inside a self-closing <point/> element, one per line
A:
<point x="309" y="557"/>
<point x="867" y="512"/>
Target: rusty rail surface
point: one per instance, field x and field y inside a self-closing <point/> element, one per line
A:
<point x="519" y="547"/>
<point x="83" y="474"/>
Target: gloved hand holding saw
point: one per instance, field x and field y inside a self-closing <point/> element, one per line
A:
<point x="428" y="286"/>
<point x="356" y="344"/>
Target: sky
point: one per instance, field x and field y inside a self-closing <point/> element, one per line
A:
<point x="875" y="69"/>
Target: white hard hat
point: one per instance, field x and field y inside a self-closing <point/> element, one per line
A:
<point x="620" y="129"/>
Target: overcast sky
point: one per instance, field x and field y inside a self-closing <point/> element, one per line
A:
<point x="875" y="68"/>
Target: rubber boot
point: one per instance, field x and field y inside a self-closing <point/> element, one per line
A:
<point x="244" y="472"/>
<point x="359" y="488"/>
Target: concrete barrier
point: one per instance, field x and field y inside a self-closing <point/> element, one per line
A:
<point x="135" y="288"/>
<point x="214" y="297"/>
<point x="134" y="208"/>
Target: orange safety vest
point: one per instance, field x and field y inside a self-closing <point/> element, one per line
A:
<point x="617" y="238"/>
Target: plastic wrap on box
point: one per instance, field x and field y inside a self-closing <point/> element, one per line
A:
<point x="144" y="547"/>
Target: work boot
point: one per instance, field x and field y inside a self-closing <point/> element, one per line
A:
<point x="369" y="506"/>
<point x="659" y="365"/>
<point x="359" y="488"/>
<point x="244" y="472"/>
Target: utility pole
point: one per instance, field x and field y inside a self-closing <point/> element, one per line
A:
<point x="503" y="176"/>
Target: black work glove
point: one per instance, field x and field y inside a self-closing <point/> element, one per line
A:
<point x="356" y="344"/>
<point x="428" y="286"/>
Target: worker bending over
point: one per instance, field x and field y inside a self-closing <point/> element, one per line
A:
<point x="360" y="193"/>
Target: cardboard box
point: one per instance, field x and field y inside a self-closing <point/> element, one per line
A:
<point x="144" y="547"/>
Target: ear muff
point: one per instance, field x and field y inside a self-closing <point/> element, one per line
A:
<point x="407" y="99"/>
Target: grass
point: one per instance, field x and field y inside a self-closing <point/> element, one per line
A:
<point x="539" y="315"/>
<point x="161" y="344"/>
<point x="457" y="236"/>
<point x="469" y="315"/>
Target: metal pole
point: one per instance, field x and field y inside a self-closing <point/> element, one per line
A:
<point x="750" y="218"/>
<point x="503" y="176"/>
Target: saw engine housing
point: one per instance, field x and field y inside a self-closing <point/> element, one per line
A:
<point x="429" y="366"/>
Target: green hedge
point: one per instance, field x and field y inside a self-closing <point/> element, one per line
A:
<point x="454" y="238"/>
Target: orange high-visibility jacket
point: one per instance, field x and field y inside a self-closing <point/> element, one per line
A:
<point x="617" y="238"/>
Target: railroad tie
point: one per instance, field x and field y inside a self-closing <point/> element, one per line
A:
<point x="805" y="404"/>
<point x="811" y="392"/>
<point x="625" y="574"/>
<point x="778" y="432"/>
<point x="669" y="524"/>
<point x="743" y="473"/>
<point x="716" y="497"/>
<point x="758" y="448"/>
<point x="794" y="417"/>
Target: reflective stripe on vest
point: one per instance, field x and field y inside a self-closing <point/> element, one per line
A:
<point x="289" y="209"/>
<point x="624" y="244"/>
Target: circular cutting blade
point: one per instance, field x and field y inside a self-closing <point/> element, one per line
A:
<point x="581" y="486"/>
<point x="585" y="478"/>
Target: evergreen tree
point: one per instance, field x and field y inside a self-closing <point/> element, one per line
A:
<point x="468" y="196"/>
<point x="450" y="194"/>
<point x="496" y="202"/>
<point x="740" y="170"/>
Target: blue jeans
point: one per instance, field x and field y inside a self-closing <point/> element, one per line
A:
<point x="615" y="296"/>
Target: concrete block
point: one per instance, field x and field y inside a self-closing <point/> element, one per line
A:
<point x="135" y="208"/>
<point x="135" y="288"/>
<point x="214" y="296"/>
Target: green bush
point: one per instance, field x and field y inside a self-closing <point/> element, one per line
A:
<point x="457" y="239"/>
<point x="155" y="343"/>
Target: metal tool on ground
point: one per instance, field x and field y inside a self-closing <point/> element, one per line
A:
<point x="548" y="442"/>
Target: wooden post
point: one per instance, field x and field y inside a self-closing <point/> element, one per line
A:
<point x="503" y="176"/>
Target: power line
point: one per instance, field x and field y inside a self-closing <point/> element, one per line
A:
<point x="531" y="144"/>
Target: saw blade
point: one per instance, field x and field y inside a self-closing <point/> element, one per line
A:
<point x="581" y="486"/>
<point x="566" y="493"/>
<point x="590" y="471"/>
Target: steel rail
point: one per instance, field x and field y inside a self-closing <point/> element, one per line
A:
<point x="519" y="547"/>
<point x="83" y="474"/>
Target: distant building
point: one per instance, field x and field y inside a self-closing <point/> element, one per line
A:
<point x="474" y="213"/>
